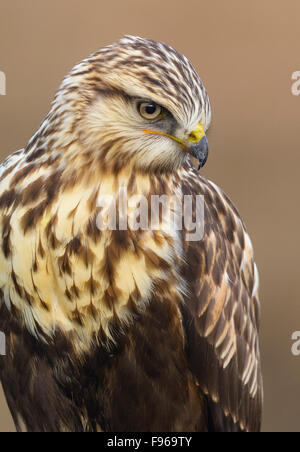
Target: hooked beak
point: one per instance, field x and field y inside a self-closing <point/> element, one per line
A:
<point x="196" y="144"/>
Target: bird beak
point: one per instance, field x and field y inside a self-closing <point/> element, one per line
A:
<point x="196" y="144"/>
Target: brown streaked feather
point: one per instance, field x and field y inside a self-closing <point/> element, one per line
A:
<point x="123" y="330"/>
<point x="126" y="388"/>
<point x="221" y="315"/>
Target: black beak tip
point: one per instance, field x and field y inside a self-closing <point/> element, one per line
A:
<point x="200" y="151"/>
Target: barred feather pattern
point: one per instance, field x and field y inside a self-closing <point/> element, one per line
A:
<point x="123" y="330"/>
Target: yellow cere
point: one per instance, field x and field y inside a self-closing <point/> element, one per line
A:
<point x="197" y="134"/>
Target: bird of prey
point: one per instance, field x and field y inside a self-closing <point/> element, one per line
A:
<point x="123" y="328"/>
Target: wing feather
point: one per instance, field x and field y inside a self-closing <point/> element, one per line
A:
<point x="221" y="314"/>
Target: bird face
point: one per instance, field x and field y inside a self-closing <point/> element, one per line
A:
<point x="144" y="132"/>
<point x="144" y="104"/>
<point x="195" y="143"/>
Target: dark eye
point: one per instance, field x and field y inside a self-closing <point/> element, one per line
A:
<point x="150" y="110"/>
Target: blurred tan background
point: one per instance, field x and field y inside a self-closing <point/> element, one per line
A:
<point x="245" y="52"/>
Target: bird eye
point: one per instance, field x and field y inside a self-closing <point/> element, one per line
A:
<point x="150" y="110"/>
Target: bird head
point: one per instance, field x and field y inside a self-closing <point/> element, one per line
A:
<point x="137" y="101"/>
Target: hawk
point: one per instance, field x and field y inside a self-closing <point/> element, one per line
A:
<point x="125" y="329"/>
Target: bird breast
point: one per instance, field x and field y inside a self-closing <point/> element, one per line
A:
<point x="71" y="265"/>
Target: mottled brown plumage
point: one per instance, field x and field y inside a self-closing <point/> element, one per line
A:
<point x="124" y="329"/>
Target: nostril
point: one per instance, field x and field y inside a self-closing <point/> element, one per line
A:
<point x="196" y="134"/>
<point x="193" y="137"/>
